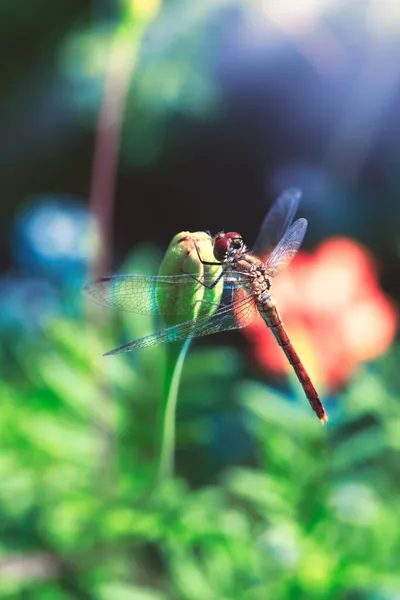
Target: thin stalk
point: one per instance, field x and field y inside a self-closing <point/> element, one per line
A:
<point x="117" y="78"/>
<point x="166" y="465"/>
<point x="118" y="75"/>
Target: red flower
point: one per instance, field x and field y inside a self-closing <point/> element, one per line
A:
<point x="333" y="310"/>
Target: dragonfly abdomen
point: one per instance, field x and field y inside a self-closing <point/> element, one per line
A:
<point x="272" y="318"/>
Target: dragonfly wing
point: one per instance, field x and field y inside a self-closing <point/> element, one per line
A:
<point x="136" y="293"/>
<point x="287" y="247"/>
<point x="234" y="316"/>
<point x="277" y="220"/>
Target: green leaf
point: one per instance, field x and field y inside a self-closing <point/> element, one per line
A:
<point x="120" y="591"/>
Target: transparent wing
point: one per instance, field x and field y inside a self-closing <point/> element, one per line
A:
<point x="277" y="220"/>
<point x="136" y="293"/>
<point x="235" y="315"/>
<point x="287" y="247"/>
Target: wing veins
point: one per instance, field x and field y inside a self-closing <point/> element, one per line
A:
<point x="284" y="252"/>
<point x="196" y="327"/>
<point x="136" y="293"/>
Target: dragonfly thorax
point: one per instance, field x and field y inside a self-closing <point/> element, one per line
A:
<point x="259" y="281"/>
<point x="227" y="245"/>
<point x="261" y="284"/>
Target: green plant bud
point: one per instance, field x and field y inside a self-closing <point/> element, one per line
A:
<point x="183" y="300"/>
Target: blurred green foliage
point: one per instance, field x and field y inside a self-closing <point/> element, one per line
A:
<point x="302" y="512"/>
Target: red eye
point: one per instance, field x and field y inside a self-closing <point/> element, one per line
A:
<point x="235" y="240"/>
<point x="221" y="242"/>
<point x="233" y="234"/>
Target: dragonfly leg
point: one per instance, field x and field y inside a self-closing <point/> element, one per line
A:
<point x="212" y="285"/>
<point x="203" y="262"/>
<point x="207" y="302"/>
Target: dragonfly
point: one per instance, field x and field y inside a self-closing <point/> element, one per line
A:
<point x="246" y="278"/>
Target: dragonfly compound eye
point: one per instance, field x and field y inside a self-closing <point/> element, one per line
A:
<point x="221" y="242"/>
<point x="235" y="241"/>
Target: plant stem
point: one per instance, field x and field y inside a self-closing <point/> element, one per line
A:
<point x="166" y="465"/>
<point x="118" y="75"/>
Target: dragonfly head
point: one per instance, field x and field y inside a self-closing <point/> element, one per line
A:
<point x="227" y="245"/>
